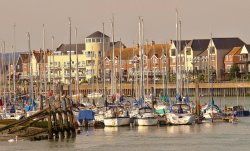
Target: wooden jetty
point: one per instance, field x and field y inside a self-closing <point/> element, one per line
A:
<point x="57" y="117"/>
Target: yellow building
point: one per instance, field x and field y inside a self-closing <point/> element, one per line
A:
<point x="89" y="59"/>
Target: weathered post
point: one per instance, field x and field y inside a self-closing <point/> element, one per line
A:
<point x="50" y="130"/>
<point x="71" y="117"/>
<point x="198" y="114"/>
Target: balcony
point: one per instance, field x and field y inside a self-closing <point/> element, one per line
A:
<point x="67" y="67"/>
<point x="55" y="67"/>
<point x="66" y="75"/>
<point x="82" y="75"/>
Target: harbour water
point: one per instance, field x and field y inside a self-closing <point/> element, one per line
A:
<point x="205" y="137"/>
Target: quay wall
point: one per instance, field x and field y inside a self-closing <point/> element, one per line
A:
<point x="219" y="89"/>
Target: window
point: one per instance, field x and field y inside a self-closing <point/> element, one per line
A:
<point x="212" y="50"/>
<point x="98" y="40"/>
<point x="88" y="40"/>
<point x="172" y="52"/>
<point x="155" y="60"/>
<point x="226" y="57"/>
<point x="93" y="40"/>
<point x="188" y="51"/>
<point x="212" y="58"/>
<point x="230" y="58"/>
<point x="99" y="53"/>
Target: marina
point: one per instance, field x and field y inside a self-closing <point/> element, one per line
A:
<point x="124" y="75"/>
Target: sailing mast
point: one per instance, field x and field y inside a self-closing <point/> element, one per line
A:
<point x="163" y="70"/>
<point x="44" y="64"/>
<point x="147" y="69"/>
<point x="70" y="86"/>
<point x="103" y="61"/>
<point x="30" y="68"/>
<point x="209" y="68"/>
<point x="176" y="55"/>
<point x="167" y="70"/>
<point x="113" y="77"/>
<point x="180" y="61"/>
<point x="4" y="74"/>
<point x="133" y="73"/>
<point x="9" y="70"/>
<point x="77" y="74"/>
<point x="14" y="64"/>
<point x="53" y="79"/>
<point x="154" y="72"/>
<point x="120" y="67"/>
<point x="141" y="51"/>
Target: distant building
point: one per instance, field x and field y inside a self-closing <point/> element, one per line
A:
<point x="233" y="57"/>
<point x="212" y="58"/>
<point x="244" y="60"/>
<point x="89" y="58"/>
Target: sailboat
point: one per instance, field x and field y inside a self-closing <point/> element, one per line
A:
<point x="145" y="116"/>
<point x="12" y="111"/>
<point x="211" y="111"/>
<point x="116" y="115"/>
<point x="161" y="108"/>
<point x="180" y="112"/>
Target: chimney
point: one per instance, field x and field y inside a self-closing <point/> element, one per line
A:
<point x="137" y="45"/>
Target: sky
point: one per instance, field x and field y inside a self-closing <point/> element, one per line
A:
<point x="200" y="18"/>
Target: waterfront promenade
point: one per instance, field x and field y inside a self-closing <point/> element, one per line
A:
<point x="219" y="88"/>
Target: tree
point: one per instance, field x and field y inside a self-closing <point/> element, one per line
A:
<point x="234" y="72"/>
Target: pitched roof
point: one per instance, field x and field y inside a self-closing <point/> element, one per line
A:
<point x="248" y="48"/>
<point x="182" y="42"/>
<point x="227" y="43"/>
<point x="39" y="55"/>
<point x="235" y="51"/>
<point x="65" y="47"/>
<point x="149" y="50"/>
<point x="25" y="57"/>
<point x="117" y="44"/>
<point x="199" y="44"/>
<point x="97" y="34"/>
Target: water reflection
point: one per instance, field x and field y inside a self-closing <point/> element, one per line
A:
<point x="179" y="129"/>
<point x="144" y="129"/>
<point x="111" y="129"/>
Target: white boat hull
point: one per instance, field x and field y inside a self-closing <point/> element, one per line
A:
<point x="180" y="119"/>
<point x="94" y="95"/>
<point x="117" y="121"/>
<point x="147" y="121"/>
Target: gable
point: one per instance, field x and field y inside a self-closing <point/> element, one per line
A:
<point x="244" y="50"/>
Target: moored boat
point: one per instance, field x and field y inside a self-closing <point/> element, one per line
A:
<point x="116" y="116"/>
<point x="146" y="117"/>
<point x="180" y="114"/>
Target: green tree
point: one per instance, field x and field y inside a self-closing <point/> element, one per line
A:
<point x="234" y="72"/>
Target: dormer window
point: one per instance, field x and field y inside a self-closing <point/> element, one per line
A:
<point x="172" y="52"/>
<point x="88" y="40"/>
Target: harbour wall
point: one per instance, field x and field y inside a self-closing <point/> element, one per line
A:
<point x="205" y="89"/>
